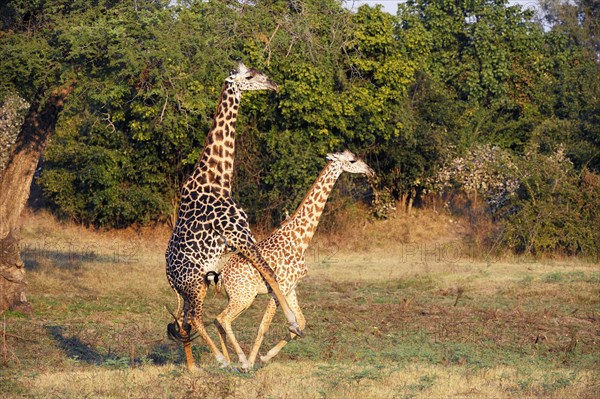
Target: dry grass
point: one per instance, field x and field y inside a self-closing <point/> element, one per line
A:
<point x="352" y="229"/>
<point x="397" y="318"/>
<point x="315" y="380"/>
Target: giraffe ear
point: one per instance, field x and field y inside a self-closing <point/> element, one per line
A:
<point x="241" y="67"/>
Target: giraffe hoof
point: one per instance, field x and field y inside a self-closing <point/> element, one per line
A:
<point x="223" y="363"/>
<point x="193" y="368"/>
<point x="295" y="328"/>
<point x="242" y="369"/>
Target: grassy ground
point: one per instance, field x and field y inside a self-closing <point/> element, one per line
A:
<point x="398" y="319"/>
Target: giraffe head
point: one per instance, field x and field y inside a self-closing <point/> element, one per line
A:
<point x="350" y="163"/>
<point x="247" y="79"/>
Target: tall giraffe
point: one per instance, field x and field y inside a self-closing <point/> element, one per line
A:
<point x="284" y="251"/>
<point x="209" y="220"/>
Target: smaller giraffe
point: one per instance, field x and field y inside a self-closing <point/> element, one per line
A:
<point x="284" y="252"/>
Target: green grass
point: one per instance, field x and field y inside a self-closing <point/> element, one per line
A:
<point x="571" y="277"/>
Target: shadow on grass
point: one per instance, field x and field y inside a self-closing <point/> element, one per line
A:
<point x="165" y="353"/>
<point x="69" y="253"/>
<point x="74" y="348"/>
<point x="35" y="258"/>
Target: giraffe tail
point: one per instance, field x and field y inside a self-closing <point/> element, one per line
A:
<point x="212" y="277"/>
<point x="181" y="332"/>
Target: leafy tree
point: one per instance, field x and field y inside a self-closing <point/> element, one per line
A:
<point x="479" y="49"/>
<point x="578" y="19"/>
<point x="29" y="73"/>
<point x="571" y="94"/>
<point x="112" y="162"/>
<point x="408" y="92"/>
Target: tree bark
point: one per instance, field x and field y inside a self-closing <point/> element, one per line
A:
<point x="404" y="202"/>
<point x="12" y="277"/>
<point x="15" y="184"/>
<point x="411" y="200"/>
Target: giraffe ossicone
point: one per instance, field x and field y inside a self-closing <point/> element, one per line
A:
<point x="209" y="219"/>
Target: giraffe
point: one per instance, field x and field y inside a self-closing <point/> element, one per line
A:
<point x="284" y="251"/>
<point x="209" y="220"/>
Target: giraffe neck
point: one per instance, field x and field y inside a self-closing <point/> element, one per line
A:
<point x="303" y="223"/>
<point x="215" y="166"/>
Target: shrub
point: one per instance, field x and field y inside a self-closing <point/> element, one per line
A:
<point x="540" y="201"/>
<point x="554" y="209"/>
<point x="486" y="170"/>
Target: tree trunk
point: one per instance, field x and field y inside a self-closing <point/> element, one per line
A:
<point x="411" y="200"/>
<point x="15" y="184"/>
<point x="404" y="202"/>
<point x="12" y="277"/>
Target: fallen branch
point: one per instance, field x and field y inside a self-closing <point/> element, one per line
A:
<point x="20" y="338"/>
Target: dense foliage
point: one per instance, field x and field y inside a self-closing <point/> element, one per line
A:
<point x="409" y="92"/>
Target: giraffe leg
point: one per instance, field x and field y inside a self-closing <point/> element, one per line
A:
<point x="236" y="231"/>
<point x="196" y="321"/>
<point x="223" y="340"/>
<point x="187" y="349"/>
<point x="244" y="242"/>
<point x="262" y="329"/>
<point x="298" y="312"/>
<point x="184" y="332"/>
<point x="261" y="265"/>
<point x="232" y="311"/>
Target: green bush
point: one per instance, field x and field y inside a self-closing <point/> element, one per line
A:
<point x="555" y="209"/>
